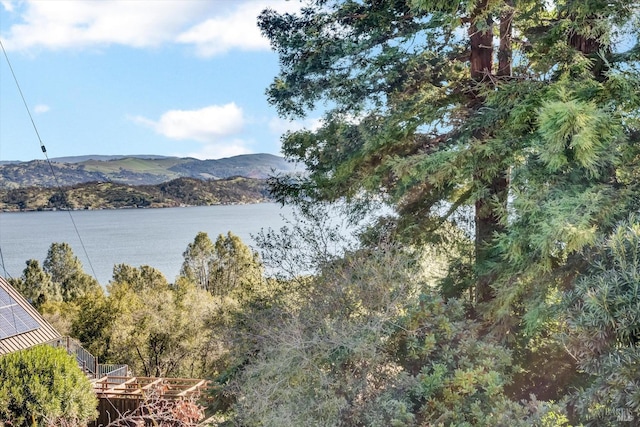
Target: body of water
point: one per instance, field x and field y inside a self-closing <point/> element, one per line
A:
<point x="154" y="237"/>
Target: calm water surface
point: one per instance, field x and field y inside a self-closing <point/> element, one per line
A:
<point x="155" y="237"/>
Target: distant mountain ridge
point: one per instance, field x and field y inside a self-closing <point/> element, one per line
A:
<point x="137" y="169"/>
<point x="105" y="158"/>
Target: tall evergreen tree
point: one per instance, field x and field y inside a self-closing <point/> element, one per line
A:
<point x="65" y="269"/>
<point x="36" y="285"/>
<point x="524" y="113"/>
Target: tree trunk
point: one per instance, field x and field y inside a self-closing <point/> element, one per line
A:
<point x="505" y="53"/>
<point x="487" y="224"/>
<point x="593" y="49"/>
<point x="481" y="55"/>
<point x="487" y="220"/>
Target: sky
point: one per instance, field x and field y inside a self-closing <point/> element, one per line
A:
<point x="182" y="78"/>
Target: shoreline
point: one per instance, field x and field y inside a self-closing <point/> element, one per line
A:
<point x="106" y="208"/>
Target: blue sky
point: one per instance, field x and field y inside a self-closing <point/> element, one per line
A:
<point x="167" y="77"/>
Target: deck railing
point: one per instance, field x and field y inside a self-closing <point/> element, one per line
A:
<point x="87" y="361"/>
<point x="112" y="370"/>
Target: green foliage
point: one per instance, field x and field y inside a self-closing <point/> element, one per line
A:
<point x="43" y="387"/>
<point x="91" y="323"/>
<point x="505" y="137"/>
<point x="59" y="288"/>
<point x="197" y="259"/>
<point x="603" y="329"/>
<point x="66" y="270"/>
<point x="568" y="189"/>
<point x="61" y="315"/>
<point x="36" y="285"/>
<point x="576" y="131"/>
<point x="291" y="255"/>
<point x="155" y="328"/>
<point x="140" y="279"/>
<point x="225" y="267"/>
<point x="372" y="344"/>
<point x="235" y="268"/>
<point x="520" y="115"/>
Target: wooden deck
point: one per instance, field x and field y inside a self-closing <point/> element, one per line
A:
<point x="140" y="387"/>
<point x="149" y="401"/>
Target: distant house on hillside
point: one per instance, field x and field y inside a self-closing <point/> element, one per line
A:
<point x="21" y="326"/>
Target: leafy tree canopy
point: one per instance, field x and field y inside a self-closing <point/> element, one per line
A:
<point x="197" y="259"/>
<point x="139" y="279"/>
<point x="372" y="344"/>
<point x="156" y="328"/>
<point x="36" y="285"/>
<point x="524" y="113"/>
<point x="65" y="269"/>
<point x="224" y="267"/>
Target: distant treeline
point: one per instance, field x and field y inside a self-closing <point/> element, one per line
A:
<point x="109" y="195"/>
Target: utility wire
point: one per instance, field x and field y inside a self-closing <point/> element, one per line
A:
<point x="53" y="173"/>
<point x="4" y="269"/>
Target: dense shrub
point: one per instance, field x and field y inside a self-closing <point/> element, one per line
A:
<point x="603" y="321"/>
<point x="374" y="345"/>
<point x="44" y="386"/>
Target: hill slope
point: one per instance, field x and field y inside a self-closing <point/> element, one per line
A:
<point x="110" y="195"/>
<point x="136" y="170"/>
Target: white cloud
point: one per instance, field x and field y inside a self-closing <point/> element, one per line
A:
<point x="237" y="29"/>
<point x="81" y="23"/>
<point x="7" y="5"/>
<point x="212" y="27"/>
<point x="206" y="125"/>
<point x="215" y="127"/>
<point x="41" y="108"/>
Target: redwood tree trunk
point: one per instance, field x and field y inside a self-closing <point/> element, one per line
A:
<point x="487" y="221"/>
<point x="592" y="48"/>
<point x="481" y="54"/>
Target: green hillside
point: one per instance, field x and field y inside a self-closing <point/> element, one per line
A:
<point x="135" y="170"/>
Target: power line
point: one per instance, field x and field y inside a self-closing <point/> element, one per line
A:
<point x="4" y="269"/>
<point x="44" y="151"/>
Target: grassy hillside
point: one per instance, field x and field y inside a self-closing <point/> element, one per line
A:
<point x="135" y="170"/>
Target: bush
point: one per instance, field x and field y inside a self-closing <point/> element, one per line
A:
<point x="603" y="330"/>
<point x="43" y="386"/>
<point x="374" y="345"/>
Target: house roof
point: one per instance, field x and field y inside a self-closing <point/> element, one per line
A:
<point x="21" y="326"/>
